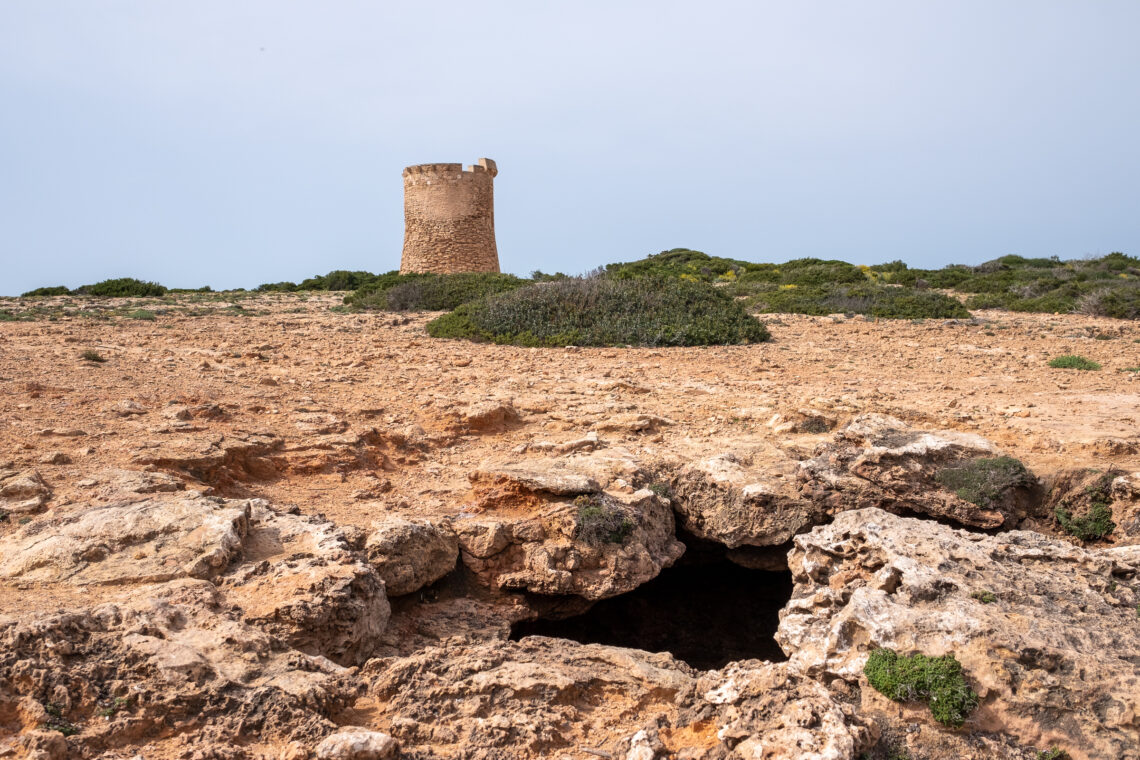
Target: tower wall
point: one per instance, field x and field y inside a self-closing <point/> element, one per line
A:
<point x="449" y="218"/>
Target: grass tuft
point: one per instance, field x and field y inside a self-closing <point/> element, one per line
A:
<point x="1072" y="361"/>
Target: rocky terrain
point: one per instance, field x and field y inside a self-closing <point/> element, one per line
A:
<point x="283" y="531"/>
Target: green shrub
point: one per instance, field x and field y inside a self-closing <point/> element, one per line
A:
<point x="58" y="290"/>
<point x="1072" y="361"/>
<point x="601" y="521"/>
<point x="1121" y="302"/>
<point x="123" y="287"/>
<point x="984" y="481"/>
<point x="681" y="263"/>
<point x="277" y="287"/>
<point x="1094" y="524"/>
<point x="605" y="312"/>
<point x="880" y="301"/>
<point x="90" y="355"/>
<point x="1056" y="753"/>
<point x="985" y="597"/>
<point x="938" y="681"/>
<point x="142" y="314"/>
<point x="338" y="279"/>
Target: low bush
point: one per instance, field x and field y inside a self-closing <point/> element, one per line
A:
<point x="1073" y="361"/>
<point x="985" y="481"/>
<point x="142" y="314"/>
<point x="338" y="279"/>
<point x="277" y="287"/>
<point x="880" y="301"/>
<point x="91" y="355"/>
<point x="123" y="287"/>
<point x="1095" y="500"/>
<point x="601" y="521"/>
<point x="605" y="312"/>
<point x="937" y="681"/>
<point x="680" y="263"/>
<point x="58" y="290"/>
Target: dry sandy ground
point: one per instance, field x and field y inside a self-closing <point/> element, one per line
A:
<point x="360" y="416"/>
<point x="320" y="380"/>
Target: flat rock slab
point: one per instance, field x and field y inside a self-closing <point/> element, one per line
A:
<point x="145" y="541"/>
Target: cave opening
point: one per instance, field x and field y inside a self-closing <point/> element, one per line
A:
<point x="705" y="610"/>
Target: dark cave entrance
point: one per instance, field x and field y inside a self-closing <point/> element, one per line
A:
<point x="706" y="610"/>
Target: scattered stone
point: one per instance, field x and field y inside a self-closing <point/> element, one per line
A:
<point x="358" y="744"/>
<point x="55" y="457"/>
<point x="128" y="408"/>
<point x="23" y="492"/>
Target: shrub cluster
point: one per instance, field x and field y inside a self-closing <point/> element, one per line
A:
<point x="601" y="521"/>
<point x="123" y="287"/>
<point x="985" y="481"/>
<point x="938" y="681"/>
<point x="58" y="290"/>
<point x="604" y="312"/>
<point x="1108" y="286"/>
<point x="865" y="298"/>
<point x="430" y="292"/>
<point x="338" y="279"/>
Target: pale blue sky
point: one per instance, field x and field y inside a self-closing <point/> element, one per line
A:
<point x="233" y="142"/>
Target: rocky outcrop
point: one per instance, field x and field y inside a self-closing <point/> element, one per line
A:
<point x="410" y="554"/>
<point x="306" y="583"/>
<point x="151" y="540"/>
<point x="22" y="492"/>
<point x="538" y="697"/>
<point x="746" y="498"/>
<point x="594" y="547"/>
<point x="1045" y="631"/>
<point x="172" y="660"/>
<point x="880" y="461"/>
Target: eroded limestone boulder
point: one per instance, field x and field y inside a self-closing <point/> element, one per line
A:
<point x="746" y="498"/>
<point x="1045" y="631"/>
<point x="410" y="554"/>
<point x="304" y="581"/>
<point x="880" y="461"/>
<point x="173" y="658"/>
<point x="150" y="540"/>
<point x="594" y="547"/>
<point x="23" y="492"/>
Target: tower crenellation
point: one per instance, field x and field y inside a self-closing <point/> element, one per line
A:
<point x="449" y="218"/>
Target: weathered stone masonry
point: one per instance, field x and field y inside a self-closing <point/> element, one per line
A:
<point x="449" y="218"/>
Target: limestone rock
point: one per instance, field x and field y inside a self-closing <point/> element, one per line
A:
<point x="173" y="655"/>
<point x="156" y="539"/>
<point x="598" y="548"/>
<point x="304" y="582"/>
<point x="744" y="499"/>
<point x="880" y="461"/>
<point x="541" y="476"/>
<point x="358" y="744"/>
<point x="411" y="554"/>
<point x="488" y="417"/>
<point x="538" y="696"/>
<point x="1055" y="656"/>
<point x="23" y="492"/>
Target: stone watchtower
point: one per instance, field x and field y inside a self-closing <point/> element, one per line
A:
<point x="449" y="218"/>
